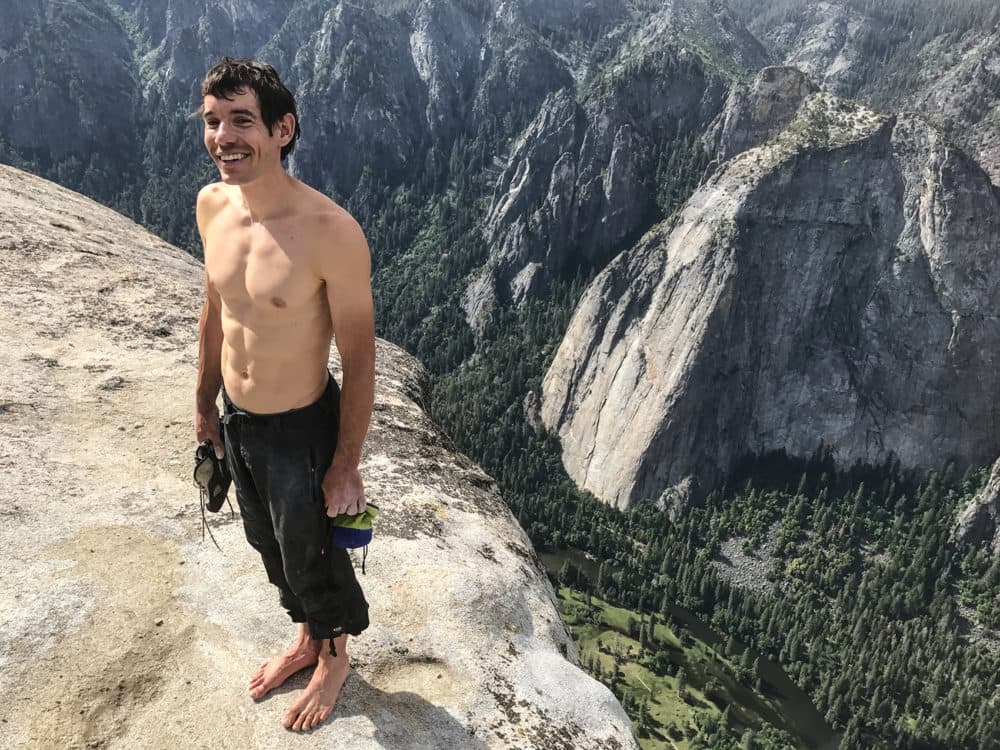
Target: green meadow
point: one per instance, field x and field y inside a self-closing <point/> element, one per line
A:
<point x="680" y="692"/>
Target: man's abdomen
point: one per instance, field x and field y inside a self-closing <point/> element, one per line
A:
<point x="267" y="375"/>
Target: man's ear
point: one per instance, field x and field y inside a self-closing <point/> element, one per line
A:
<point x="286" y="128"/>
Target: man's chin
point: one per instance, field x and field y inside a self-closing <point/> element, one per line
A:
<point x="232" y="179"/>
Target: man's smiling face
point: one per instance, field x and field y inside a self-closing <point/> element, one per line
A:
<point x="237" y="138"/>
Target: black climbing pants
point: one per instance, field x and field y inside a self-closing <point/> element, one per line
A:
<point x="278" y="462"/>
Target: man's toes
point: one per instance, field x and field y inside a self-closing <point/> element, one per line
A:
<point x="299" y="722"/>
<point x="310" y="721"/>
<point x="294" y="716"/>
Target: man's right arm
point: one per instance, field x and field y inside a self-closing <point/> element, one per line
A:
<point x="209" y="349"/>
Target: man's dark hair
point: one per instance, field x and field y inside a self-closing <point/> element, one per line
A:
<point x="233" y="75"/>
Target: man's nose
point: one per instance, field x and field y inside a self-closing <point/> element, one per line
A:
<point x="224" y="133"/>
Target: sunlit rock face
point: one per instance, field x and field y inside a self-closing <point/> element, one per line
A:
<point x="836" y="287"/>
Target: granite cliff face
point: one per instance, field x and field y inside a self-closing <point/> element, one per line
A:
<point x="836" y="287"/>
<point x="756" y="114"/>
<point x="580" y="181"/>
<point x="960" y="90"/>
<point x="122" y="629"/>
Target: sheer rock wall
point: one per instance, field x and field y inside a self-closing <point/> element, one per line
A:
<point x="835" y="287"/>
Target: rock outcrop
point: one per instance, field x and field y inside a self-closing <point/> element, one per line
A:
<point x="978" y="523"/>
<point x="123" y="629"/>
<point x="825" y="40"/>
<point x="837" y="287"/>
<point x="755" y="114"/>
<point x="952" y="78"/>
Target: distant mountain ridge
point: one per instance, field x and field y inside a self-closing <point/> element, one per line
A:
<point x="382" y="87"/>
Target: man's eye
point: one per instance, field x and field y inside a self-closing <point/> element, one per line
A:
<point x="244" y="121"/>
<point x="211" y="123"/>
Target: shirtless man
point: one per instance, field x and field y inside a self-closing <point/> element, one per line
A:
<point x="286" y="270"/>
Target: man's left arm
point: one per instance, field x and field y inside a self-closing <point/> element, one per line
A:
<point x="346" y="269"/>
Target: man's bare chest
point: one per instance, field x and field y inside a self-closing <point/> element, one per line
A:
<point x="267" y="268"/>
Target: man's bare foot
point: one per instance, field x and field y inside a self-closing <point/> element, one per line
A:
<point x="317" y="701"/>
<point x="272" y="673"/>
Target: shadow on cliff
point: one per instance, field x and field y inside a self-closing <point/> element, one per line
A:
<point x="777" y="470"/>
<point x="403" y="720"/>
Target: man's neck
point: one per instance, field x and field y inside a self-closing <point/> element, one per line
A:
<point x="268" y="196"/>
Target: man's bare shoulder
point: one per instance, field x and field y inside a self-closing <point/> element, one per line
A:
<point x="211" y="200"/>
<point x="321" y="208"/>
<point x="338" y="249"/>
<point x="212" y="194"/>
<point x="331" y="224"/>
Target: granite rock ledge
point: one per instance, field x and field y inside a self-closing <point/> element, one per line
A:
<point x="122" y="629"/>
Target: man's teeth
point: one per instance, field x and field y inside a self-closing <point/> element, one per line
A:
<point x="232" y="157"/>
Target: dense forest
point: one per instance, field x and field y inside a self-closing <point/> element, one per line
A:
<point x="869" y="607"/>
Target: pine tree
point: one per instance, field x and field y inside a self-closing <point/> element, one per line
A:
<point x="564" y="574"/>
<point x="851" y="740"/>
